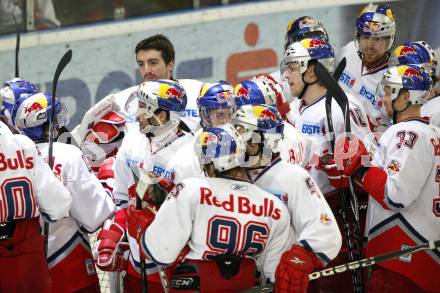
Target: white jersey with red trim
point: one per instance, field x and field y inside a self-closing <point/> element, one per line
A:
<point x="295" y="147"/>
<point x="313" y="222"/>
<point x="170" y="155"/>
<point x="217" y="216"/>
<point x="313" y="122"/>
<point x="431" y="109"/>
<point x="91" y="205"/>
<point x="28" y="185"/>
<point x="362" y="84"/>
<point x="409" y="153"/>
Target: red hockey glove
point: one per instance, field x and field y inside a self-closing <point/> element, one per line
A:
<point x="350" y="155"/>
<point x="110" y="248"/>
<point x="138" y="221"/>
<point x="292" y="274"/>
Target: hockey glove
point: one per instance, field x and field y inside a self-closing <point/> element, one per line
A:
<point x="110" y="248"/>
<point x="138" y="221"/>
<point x="349" y="156"/>
<point x="292" y="274"/>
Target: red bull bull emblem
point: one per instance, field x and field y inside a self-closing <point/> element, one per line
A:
<point x="241" y="91"/>
<point x="317" y="44"/>
<point x="34" y="107"/>
<point x="325" y="219"/>
<point x="171" y="92"/>
<point x="207" y="138"/>
<point x="412" y="72"/>
<point x="405" y="50"/>
<point x="394" y="167"/>
<point x="267" y="114"/>
<point x="371" y="27"/>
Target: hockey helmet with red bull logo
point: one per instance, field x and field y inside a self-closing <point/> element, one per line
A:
<point x="260" y="118"/>
<point x="215" y="95"/>
<point x="31" y="114"/>
<point x="162" y="94"/>
<point x="408" y="77"/>
<point x="222" y="145"/>
<point x="11" y="91"/>
<point x="304" y="27"/>
<point x="309" y="49"/>
<point x="255" y="92"/>
<point x="212" y="97"/>
<point x="376" y="21"/>
<point x="417" y="53"/>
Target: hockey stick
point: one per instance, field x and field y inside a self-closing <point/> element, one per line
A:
<point x="60" y="67"/>
<point x="138" y="182"/>
<point x="335" y="91"/>
<point x="142" y="181"/>
<point x="17" y="46"/>
<point x="363" y="263"/>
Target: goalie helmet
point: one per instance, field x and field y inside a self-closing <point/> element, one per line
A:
<point x="214" y="96"/>
<point x="260" y="118"/>
<point x="222" y="146"/>
<point x="255" y="92"/>
<point x="304" y="51"/>
<point x="12" y="90"/>
<point x="417" y="53"/>
<point x="31" y="114"/>
<point x="304" y="27"/>
<point x="376" y="21"/>
<point x="408" y="77"/>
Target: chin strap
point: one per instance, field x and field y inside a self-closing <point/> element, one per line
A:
<point x="395" y="112"/>
<point x="306" y="85"/>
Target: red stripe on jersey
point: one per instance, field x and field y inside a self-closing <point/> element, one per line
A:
<point x="420" y="267"/>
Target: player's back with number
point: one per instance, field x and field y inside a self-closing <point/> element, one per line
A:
<point x="220" y="217"/>
<point x="27" y="188"/>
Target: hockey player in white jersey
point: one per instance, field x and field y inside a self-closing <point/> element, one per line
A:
<point x="155" y="57"/>
<point x="29" y="188"/>
<point x="316" y="233"/>
<point x="421" y="54"/>
<point x="300" y="61"/>
<point x="215" y="104"/>
<point x="367" y="59"/>
<point x="232" y="227"/>
<point x="403" y="184"/>
<point x="294" y="147"/>
<point x="158" y="146"/>
<point x="69" y="256"/>
<point x="297" y="29"/>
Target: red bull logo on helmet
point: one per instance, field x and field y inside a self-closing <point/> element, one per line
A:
<point x="371" y="27"/>
<point x="264" y="113"/>
<point x="207" y="138"/>
<point x="405" y="50"/>
<point x="36" y="103"/>
<point x="408" y="71"/>
<point x="313" y="43"/>
<point x="240" y="91"/>
<point x="168" y="92"/>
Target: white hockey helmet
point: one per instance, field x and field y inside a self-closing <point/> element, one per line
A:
<point x="407" y="77"/>
<point x="304" y="51"/>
